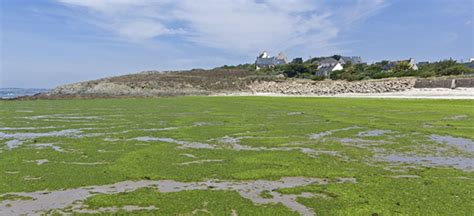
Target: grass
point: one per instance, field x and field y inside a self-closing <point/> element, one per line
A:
<point x="259" y="122"/>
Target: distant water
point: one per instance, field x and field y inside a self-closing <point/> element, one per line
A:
<point x="6" y="93"/>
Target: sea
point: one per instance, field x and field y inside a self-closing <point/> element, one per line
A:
<point x="6" y="93"/>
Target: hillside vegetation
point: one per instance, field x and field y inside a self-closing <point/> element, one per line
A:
<point x="293" y="78"/>
<point x="352" y="72"/>
<point x="154" y="83"/>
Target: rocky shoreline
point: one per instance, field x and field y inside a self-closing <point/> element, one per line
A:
<point x="308" y="87"/>
<point x="108" y="89"/>
<point x="236" y="82"/>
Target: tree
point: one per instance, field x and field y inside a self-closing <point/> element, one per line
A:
<point x="292" y="70"/>
<point x="455" y="70"/>
<point x="348" y="64"/>
<point x="441" y="67"/>
<point x="402" y="66"/>
<point x="297" y="61"/>
<point x="384" y="62"/>
<point x="337" y="57"/>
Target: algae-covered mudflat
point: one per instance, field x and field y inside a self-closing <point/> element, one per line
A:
<point x="237" y="156"/>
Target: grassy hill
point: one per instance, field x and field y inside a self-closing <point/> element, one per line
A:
<point x="154" y="83"/>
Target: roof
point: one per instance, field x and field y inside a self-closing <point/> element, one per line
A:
<point x="469" y="65"/>
<point x="353" y="59"/>
<point x="392" y="64"/>
<point x="269" y="61"/>
<point x="325" y="71"/>
<point x="328" y="61"/>
<point x="263" y="60"/>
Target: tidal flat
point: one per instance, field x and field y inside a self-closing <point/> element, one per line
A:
<point x="237" y="156"/>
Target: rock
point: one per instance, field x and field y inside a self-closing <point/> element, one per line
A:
<point x="328" y="87"/>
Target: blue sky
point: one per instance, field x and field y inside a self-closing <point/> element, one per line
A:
<point x="45" y="43"/>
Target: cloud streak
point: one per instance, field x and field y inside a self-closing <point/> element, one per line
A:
<point x="241" y="26"/>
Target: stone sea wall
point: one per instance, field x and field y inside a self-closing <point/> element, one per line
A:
<point x="445" y="83"/>
<point x="307" y="87"/>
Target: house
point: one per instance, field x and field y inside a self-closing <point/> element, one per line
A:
<point x="391" y="64"/>
<point x="352" y="59"/>
<point x="327" y="66"/>
<point x="469" y="64"/>
<point x="423" y="63"/>
<point x="326" y="71"/>
<point x="334" y="63"/>
<point x="327" y="62"/>
<point x="265" y="61"/>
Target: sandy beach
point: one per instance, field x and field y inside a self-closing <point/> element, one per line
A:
<point x="414" y="93"/>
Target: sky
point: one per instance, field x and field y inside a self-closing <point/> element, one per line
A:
<point x="46" y="43"/>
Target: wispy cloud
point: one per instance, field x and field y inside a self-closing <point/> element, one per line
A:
<point x="362" y="10"/>
<point x="242" y="26"/>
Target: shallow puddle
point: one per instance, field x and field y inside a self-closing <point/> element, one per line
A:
<point x="457" y="117"/>
<point x="127" y="208"/>
<point x="46" y="200"/>
<point x="13" y="144"/>
<point x="235" y="145"/>
<point x="373" y="133"/>
<point x="182" y="144"/>
<point x="61" y="116"/>
<point x="200" y="162"/>
<point x="462" y="163"/>
<point x="362" y="143"/>
<point x="461" y="143"/>
<point x="19" y="138"/>
<point x="25" y="128"/>
<point x="84" y="163"/>
<point x="327" y="133"/>
<point x="41" y="161"/>
<point x="162" y="129"/>
<point x="405" y="176"/>
<point x="48" y="145"/>
<point x="24" y="136"/>
<point x="188" y="155"/>
<point x="200" y="124"/>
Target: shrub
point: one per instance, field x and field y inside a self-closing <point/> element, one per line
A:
<point x="336" y="75"/>
<point x="297" y="69"/>
<point x="402" y="66"/>
<point x="351" y="72"/>
<point x="297" y="61"/>
<point x="455" y="70"/>
<point x="381" y="75"/>
<point x="426" y="74"/>
<point x="318" y="78"/>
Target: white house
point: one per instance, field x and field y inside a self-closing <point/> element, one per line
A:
<point x="327" y="66"/>
<point x="265" y="61"/>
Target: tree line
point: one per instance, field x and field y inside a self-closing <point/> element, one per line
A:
<point x="351" y="72"/>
